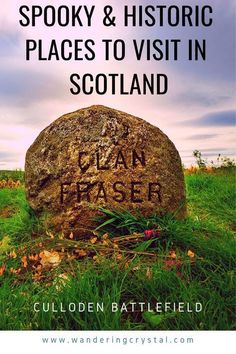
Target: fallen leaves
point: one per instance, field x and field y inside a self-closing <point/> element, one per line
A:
<point x="118" y="256"/>
<point x="172" y="254"/>
<point x="71" y="236"/>
<point x="10" y="183"/>
<point x="61" y="236"/>
<point x="50" y="234"/>
<point x="37" y="276"/>
<point x="190" y="254"/>
<point x="196" y="169"/>
<point x="105" y="240"/>
<point x="34" y="257"/>
<point x="81" y="253"/>
<point x="136" y="268"/>
<point x="50" y="259"/>
<point x="105" y="237"/>
<point x="40" y="258"/>
<point x="24" y="261"/>
<point x="176" y="263"/>
<point x="15" y="271"/>
<point x="2" y="270"/>
<point x="12" y="254"/>
<point x="191" y="170"/>
<point x="38" y="267"/>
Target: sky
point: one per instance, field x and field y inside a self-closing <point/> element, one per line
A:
<point x="198" y="112"/>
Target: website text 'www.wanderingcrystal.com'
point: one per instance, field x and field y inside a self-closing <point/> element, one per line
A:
<point x="118" y="340"/>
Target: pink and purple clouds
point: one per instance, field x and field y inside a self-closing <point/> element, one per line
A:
<point x="198" y="112"/>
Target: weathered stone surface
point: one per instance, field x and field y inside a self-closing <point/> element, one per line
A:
<point x="101" y="156"/>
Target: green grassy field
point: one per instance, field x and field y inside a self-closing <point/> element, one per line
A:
<point x="192" y="260"/>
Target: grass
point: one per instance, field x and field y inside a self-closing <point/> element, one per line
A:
<point x="16" y="175"/>
<point x="22" y="221"/>
<point x="208" y="277"/>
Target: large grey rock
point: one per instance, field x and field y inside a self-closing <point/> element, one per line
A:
<point x="101" y="156"/>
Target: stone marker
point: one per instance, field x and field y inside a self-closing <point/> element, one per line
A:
<point x="99" y="156"/>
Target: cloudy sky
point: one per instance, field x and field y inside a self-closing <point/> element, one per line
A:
<point x="198" y="112"/>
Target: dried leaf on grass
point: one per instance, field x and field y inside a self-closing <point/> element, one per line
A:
<point x="105" y="237"/>
<point x="15" y="271"/>
<point x="50" y="234"/>
<point x="34" y="257"/>
<point x="118" y="256"/>
<point x="12" y="254"/>
<point x="93" y="240"/>
<point x="191" y="254"/>
<point x="24" y="261"/>
<point x="10" y="183"/>
<point x="172" y="254"/>
<point x="2" y="270"/>
<point x="81" y="253"/>
<point x="71" y="236"/>
<point x="50" y="259"/>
